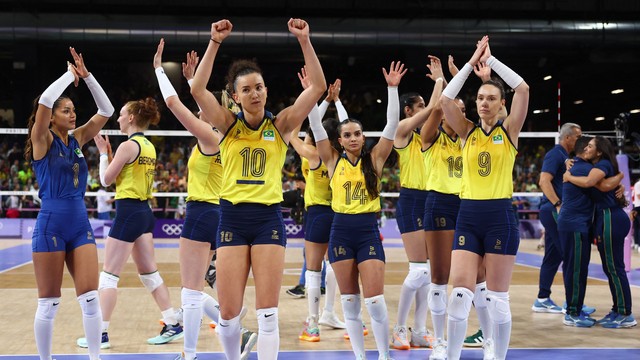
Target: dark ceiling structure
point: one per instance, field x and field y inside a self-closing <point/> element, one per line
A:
<point x="589" y="47"/>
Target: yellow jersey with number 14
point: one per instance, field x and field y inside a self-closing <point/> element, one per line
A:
<point x="135" y="180"/>
<point x="349" y="189"/>
<point x="253" y="161"/>
<point x="205" y="176"/>
<point x="488" y="161"/>
<point x="317" y="190"/>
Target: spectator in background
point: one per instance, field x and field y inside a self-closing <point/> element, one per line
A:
<point x="104" y="204"/>
<point x="635" y="199"/>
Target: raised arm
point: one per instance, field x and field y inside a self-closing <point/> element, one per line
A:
<point x="520" y="103"/>
<point x="303" y="149"/>
<point x="200" y="129"/>
<point x="327" y="153"/>
<point x="289" y="118"/>
<point x="453" y="115"/>
<point x="91" y="128"/>
<point x="382" y="149"/>
<point x="220" y="116"/>
<point x="406" y="126"/>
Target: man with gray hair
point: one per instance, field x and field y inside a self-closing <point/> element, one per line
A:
<point x="550" y="183"/>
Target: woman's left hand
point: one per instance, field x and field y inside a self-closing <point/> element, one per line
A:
<point x="80" y="67"/>
<point x="395" y="74"/>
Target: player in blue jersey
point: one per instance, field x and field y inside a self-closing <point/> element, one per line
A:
<point x="62" y="233"/>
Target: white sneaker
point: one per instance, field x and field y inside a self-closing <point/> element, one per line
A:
<point x="330" y="319"/>
<point x="421" y="339"/>
<point x="439" y="351"/>
<point x="399" y="339"/>
<point x="488" y="349"/>
<point x="385" y="356"/>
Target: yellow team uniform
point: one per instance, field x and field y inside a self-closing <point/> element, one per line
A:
<point x="205" y="176"/>
<point x="317" y="190"/>
<point x="253" y="161"/>
<point x="413" y="170"/>
<point x="444" y="161"/>
<point x="488" y="161"/>
<point x="135" y="181"/>
<point x="349" y="190"/>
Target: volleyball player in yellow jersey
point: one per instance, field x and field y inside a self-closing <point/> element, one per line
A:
<point x="318" y="219"/>
<point x="133" y="170"/>
<point x="253" y="152"/>
<point x="355" y="248"/>
<point x="486" y="225"/>
<point x="410" y="211"/>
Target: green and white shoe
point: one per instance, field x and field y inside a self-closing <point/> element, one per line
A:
<point x="168" y="334"/>
<point x="475" y="340"/>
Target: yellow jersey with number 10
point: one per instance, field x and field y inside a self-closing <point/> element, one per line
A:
<point x="349" y="189"/>
<point x="444" y="161"/>
<point x="317" y="190"/>
<point x="135" y="180"/>
<point x="488" y="161"/>
<point x="413" y="172"/>
<point x="253" y="161"/>
<point x="205" y="176"/>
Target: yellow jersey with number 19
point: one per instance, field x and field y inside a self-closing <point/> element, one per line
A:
<point x="253" y="161"/>
<point x="135" y="180"/>
<point x="413" y="172"/>
<point x="444" y="161"/>
<point x="488" y="161"/>
<point x="349" y="189"/>
<point x="205" y="176"/>
<point x="317" y="190"/>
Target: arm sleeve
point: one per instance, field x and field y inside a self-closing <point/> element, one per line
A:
<point x="99" y="96"/>
<point x="342" y="112"/>
<point x="315" y="122"/>
<point x="53" y="92"/>
<point x="393" y="114"/>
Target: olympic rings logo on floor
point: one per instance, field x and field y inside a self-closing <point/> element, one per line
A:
<point x="293" y="229"/>
<point x="172" y="229"/>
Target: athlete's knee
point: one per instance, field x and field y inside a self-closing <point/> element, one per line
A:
<point x="498" y="305"/>
<point x="191" y="299"/>
<point x="417" y="277"/>
<point x="151" y="281"/>
<point x="108" y="281"/>
<point x="438" y="299"/>
<point x="460" y="303"/>
<point x="351" y="306"/>
<point x="377" y="307"/>
<point x="47" y="308"/>
<point x="313" y="279"/>
<point x="268" y="320"/>
<point x="480" y="295"/>
<point x="90" y="303"/>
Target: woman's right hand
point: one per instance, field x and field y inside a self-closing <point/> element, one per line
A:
<point x="157" y="58"/>
<point x="480" y="48"/>
<point x="102" y="143"/>
<point x="74" y="71"/>
<point x="220" y="30"/>
<point x="189" y="68"/>
<point x="395" y="74"/>
<point x="304" y="79"/>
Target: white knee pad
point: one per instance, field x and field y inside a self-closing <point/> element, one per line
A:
<point x="191" y="299"/>
<point x="47" y="308"/>
<point x="351" y="306"/>
<point x="108" y="281"/>
<point x="377" y="307"/>
<point x="313" y="279"/>
<point x="151" y="281"/>
<point x="90" y="303"/>
<point x="438" y="299"/>
<point x="267" y="320"/>
<point x="498" y="305"/>
<point x="460" y="303"/>
<point x="480" y="295"/>
<point x="418" y="276"/>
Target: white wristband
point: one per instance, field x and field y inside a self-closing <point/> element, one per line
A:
<point x="53" y="92"/>
<point x="509" y="76"/>
<point x="455" y="85"/>
<point x="104" y="164"/>
<point x="190" y="82"/>
<point x="322" y="108"/>
<point x="99" y="96"/>
<point x="393" y="113"/>
<point x="315" y="123"/>
<point x="166" y="88"/>
<point x="342" y="112"/>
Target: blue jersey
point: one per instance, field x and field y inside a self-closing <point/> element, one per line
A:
<point x="62" y="172"/>
<point x="576" y="213"/>
<point x="605" y="200"/>
<point x="554" y="164"/>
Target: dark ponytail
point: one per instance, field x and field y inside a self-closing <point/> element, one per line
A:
<point x="370" y="176"/>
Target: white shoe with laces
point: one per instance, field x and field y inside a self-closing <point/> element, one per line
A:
<point x="330" y="319"/>
<point x="488" y="350"/>
<point x="439" y="351"/>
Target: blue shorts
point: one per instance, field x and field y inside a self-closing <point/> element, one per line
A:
<point x="250" y="224"/>
<point x="62" y="225"/>
<point x="133" y="218"/>
<point x="201" y="222"/>
<point x="410" y="210"/>
<point x="355" y="236"/>
<point x="318" y="223"/>
<point x="441" y="211"/>
<point x="487" y="226"/>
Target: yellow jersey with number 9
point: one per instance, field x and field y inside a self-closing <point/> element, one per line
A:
<point x="488" y="161"/>
<point x="135" y="180"/>
<point x="317" y="190"/>
<point x="205" y="176"/>
<point x="253" y="161"/>
<point x="413" y="172"/>
<point x="349" y="189"/>
<point x="444" y="161"/>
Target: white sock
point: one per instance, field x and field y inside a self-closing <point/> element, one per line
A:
<point x="268" y="334"/>
<point x="500" y="313"/>
<point x="377" y="308"/>
<point x="351" y="308"/>
<point x="459" y="306"/>
<point x="331" y="286"/>
<point x="210" y="307"/>
<point x="312" y="282"/>
<point x="480" y="302"/>
<point x="92" y="321"/>
<point x="169" y="316"/>
<point x="229" y="335"/>
<point x="43" y="325"/>
<point x="105" y="326"/>
<point x="414" y="280"/>
<point x="438" y="305"/>
<point x="191" y="317"/>
<point x="422" y="309"/>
